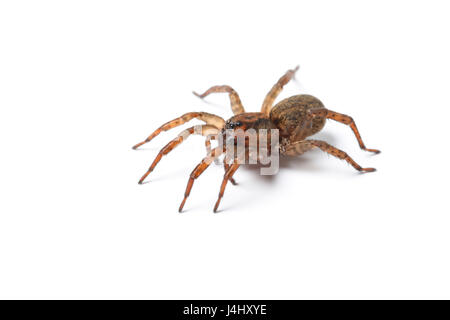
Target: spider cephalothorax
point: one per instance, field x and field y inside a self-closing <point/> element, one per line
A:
<point x="294" y="119"/>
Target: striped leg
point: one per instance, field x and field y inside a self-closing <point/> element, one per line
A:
<point x="208" y="118"/>
<point x="228" y="175"/>
<point x="236" y="104"/>
<point x="301" y="147"/>
<point x="342" y="118"/>
<point x="202" y="166"/>
<point x="276" y="89"/>
<point x="322" y="145"/>
<point x="203" y="130"/>
<point x="208" y="142"/>
<point x="208" y="152"/>
<point x="226" y="166"/>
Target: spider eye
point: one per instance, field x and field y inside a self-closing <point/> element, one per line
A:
<point x="232" y="125"/>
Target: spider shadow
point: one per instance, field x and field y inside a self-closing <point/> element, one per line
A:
<point x="311" y="161"/>
<point x="307" y="161"/>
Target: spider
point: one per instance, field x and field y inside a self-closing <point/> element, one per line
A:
<point x="296" y="118"/>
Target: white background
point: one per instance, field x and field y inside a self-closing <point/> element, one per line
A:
<point x="82" y="81"/>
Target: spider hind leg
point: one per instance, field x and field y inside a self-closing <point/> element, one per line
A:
<point x="276" y="89"/>
<point x="342" y="118"/>
<point x="300" y="147"/>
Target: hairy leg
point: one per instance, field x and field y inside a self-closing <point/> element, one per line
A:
<point x="226" y="166"/>
<point x="342" y="118"/>
<point x="208" y="139"/>
<point x="322" y="145"/>
<point x="305" y="145"/>
<point x="296" y="148"/>
<point x="276" y="89"/>
<point x="208" y="118"/>
<point x="228" y="175"/>
<point x="203" y="130"/>
<point x="208" y="151"/>
<point x="236" y="104"/>
<point x="202" y="166"/>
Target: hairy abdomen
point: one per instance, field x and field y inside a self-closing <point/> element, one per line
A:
<point x="290" y="116"/>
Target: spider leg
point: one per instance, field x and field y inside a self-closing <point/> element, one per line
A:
<point x="208" y="118"/>
<point x="202" y="166"/>
<point x="229" y="174"/>
<point x="236" y="104"/>
<point x="301" y="147"/>
<point x="208" y="143"/>
<point x="226" y="166"/>
<point x="203" y="130"/>
<point x="322" y="145"/>
<point x="276" y="89"/>
<point x="208" y="151"/>
<point x="342" y="118"/>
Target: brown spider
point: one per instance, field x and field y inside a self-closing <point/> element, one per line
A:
<point x="296" y="118"/>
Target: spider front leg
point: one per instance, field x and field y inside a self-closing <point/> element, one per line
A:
<point x="208" y="152"/>
<point x="208" y="118"/>
<point x="199" y="169"/>
<point x="226" y="166"/>
<point x="236" y="104"/>
<point x="228" y="176"/>
<point x="276" y="89"/>
<point x="204" y="130"/>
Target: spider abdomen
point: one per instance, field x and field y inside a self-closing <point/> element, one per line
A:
<point x="291" y="117"/>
